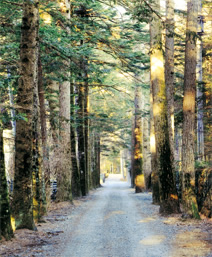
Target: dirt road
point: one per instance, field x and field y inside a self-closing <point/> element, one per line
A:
<point x="112" y="221"/>
<point x="116" y="222"/>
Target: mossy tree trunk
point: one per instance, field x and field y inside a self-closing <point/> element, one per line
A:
<point x="5" y="220"/>
<point x="188" y="144"/>
<point x="167" y="190"/>
<point x="39" y="198"/>
<point x="22" y="196"/>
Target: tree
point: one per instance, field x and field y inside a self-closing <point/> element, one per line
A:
<point x="5" y="219"/>
<point x="44" y="134"/>
<point x="167" y="191"/>
<point x="169" y="76"/>
<point x="136" y="166"/>
<point x="64" y="173"/>
<point x="146" y="167"/>
<point x="188" y="144"/>
<point x="22" y="198"/>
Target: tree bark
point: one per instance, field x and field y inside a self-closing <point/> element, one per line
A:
<point x="168" y="197"/>
<point x="44" y="136"/>
<point x="5" y="220"/>
<point x="81" y="140"/>
<point x="146" y="167"/>
<point x="188" y="169"/>
<point x="137" y="162"/>
<point x="154" y="173"/>
<point x="169" y="76"/>
<point x="22" y="197"/>
<point x="200" y="89"/>
<point x="64" y="173"/>
<point x="76" y="191"/>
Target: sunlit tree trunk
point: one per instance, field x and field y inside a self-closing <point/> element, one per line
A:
<point x="5" y="220"/>
<point x="146" y="164"/>
<point x="154" y="173"/>
<point x="137" y="146"/>
<point x="188" y="144"/>
<point x="22" y="197"/>
<point x="168" y="198"/>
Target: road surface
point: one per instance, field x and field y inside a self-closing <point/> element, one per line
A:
<point x="116" y="222"/>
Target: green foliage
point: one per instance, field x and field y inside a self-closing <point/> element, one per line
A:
<point x="95" y="35"/>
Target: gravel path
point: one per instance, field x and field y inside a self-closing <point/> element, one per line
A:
<point x="112" y="221"/>
<point x="116" y="222"/>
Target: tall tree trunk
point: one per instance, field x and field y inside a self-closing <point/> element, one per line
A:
<point x="53" y="92"/>
<point x="97" y="150"/>
<point x="86" y="121"/>
<point x="200" y="88"/>
<point x="76" y="191"/>
<point x="81" y="140"/>
<point x="132" y="172"/>
<point x="188" y="169"/>
<point x="22" y="197"/>
<point x="154" y="175"/>
<point x="146" y="167"/>
<point x="64" y="172"/>
<point x="169" y="76"/>
<point x="168" y="197"/>
<point x="11" y="99"/>
<point x="44" y="136"/>
<point x="39" y="197"/>
<point x="137" y="162"/>
<point x="5" y="221"/>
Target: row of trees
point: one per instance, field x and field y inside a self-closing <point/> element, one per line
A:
<point x="67" y="50"/>
<point x="75" y="58"/>
<point x="175" y="176"/>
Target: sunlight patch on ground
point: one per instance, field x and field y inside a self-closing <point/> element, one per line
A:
<point x="192" y="243"/>
<point x="171" y="220"/>
<point x="153" y="240"/>
<point x="113" y="213"/>
<point x="146" y="220"/>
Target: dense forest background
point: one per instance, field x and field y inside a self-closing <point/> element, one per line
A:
<point x="93" y="87"/>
